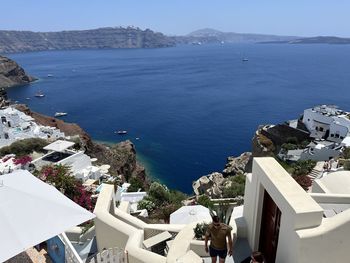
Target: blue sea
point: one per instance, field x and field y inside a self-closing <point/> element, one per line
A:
<point x="189" y="106"/>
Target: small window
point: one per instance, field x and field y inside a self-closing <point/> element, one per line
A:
<point x="341" y="137"/>
<point x="316" y="128"/>
<point x="308" y="119"/>
<point x="336" y="135"/>
<point x="332" y="135"/>
<point x="321" y="128"/>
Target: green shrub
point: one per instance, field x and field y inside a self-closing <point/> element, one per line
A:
<point x="347" y="165"/>
<point x="24" y="147"/>
<point x="304" y="144"/>
<point x="346" y="153"/>
<point x="302" y="167"/>
<point x="236" y="188"/>
<point x="204" y="200"/>
<point x="289" y="146"/>
<point x="146" y="204"/>
<point x="136" y="183"/>
<point x="176" y="197"/>
<point x="158" y="193"/>
<point x="200" y="229"/>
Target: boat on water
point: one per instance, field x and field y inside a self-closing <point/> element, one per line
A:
<point x="39" y="94"/>
<point x="121" y="132"/>
<point x="49" y="75"/>
<point x="60" y="114"/>
<point x="244" y="59"/>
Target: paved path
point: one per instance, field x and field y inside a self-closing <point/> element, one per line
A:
<point x="31" y="255"/>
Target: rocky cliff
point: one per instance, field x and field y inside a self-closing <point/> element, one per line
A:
<point x="214" y="184"/>
<point x="121" y="156"/>
<point x="11" y="74"/>
<point x="109" y="37"/>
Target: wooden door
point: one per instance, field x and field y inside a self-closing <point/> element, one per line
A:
<point x="270" y="224"/>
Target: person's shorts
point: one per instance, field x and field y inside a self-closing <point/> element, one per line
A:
<point x="222" y="253"/>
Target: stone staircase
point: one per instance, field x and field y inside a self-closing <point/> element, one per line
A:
<point x="317" y="171"/>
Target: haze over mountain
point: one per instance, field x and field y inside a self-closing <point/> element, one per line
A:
<point x="209" y="35"/>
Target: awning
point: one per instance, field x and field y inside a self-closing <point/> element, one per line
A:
<point x="32" y="211"/>
<point x="59" y="146"/>
<point x="189" y="214"/>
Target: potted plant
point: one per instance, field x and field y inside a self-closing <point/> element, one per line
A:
<point x="199" y="230"/>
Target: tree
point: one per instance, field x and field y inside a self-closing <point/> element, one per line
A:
<point x="136" y="183"/>
<point x="165" y="211"/>
<point x="204" y="200"/>
<point x="236" y="186"/>
<point x="176" y="197"/>
<point x="158" y="193"/>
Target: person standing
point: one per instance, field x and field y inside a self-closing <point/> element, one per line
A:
<point x="219" y="234"/>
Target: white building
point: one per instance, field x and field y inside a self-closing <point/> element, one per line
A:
<point x="61" y="152"/>
<point x="278" y="218"/>
<point x="317" y="150"/>
<point x="289" y="225"/>
<point x="327" y="122"/>
<point x="15" y="125"/>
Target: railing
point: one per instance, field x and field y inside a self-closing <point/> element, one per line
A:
<point x="71" y="255"/>
<point x="111" y="255"/>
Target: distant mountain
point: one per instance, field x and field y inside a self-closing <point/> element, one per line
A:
<point x="205" y="32"/>
<point x="132" y="37"/>
<point x="109" y="37"/>
<point x="209" y="35"/>
<point x="321" y="40"/>
<point x="313" y="40"/>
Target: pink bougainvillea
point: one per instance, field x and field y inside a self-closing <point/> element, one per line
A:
<point x="22" y="160"/>
<point x="61" y="177"/>
<point x="6" y="158"/>
<point x="83" y="197"/>
<point x="304" y="181"/>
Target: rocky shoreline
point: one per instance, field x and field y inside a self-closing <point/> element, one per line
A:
<point x="11" y="74"/>
<point x="121" y="156"/>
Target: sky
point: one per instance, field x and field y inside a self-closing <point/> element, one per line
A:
<point x="180" y="17"/>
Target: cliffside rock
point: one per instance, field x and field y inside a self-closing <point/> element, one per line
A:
<point x="109" y="37"/>
<point x="3" y="98"/>
<point x="121" y="156"/>
<point x="11" y="74"/>
<point x="261" y="145"/>
<point x="210" y="185"/>
<point x="240" y="164"/>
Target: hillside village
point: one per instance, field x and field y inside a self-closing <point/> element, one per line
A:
<point x="139" y="223"/>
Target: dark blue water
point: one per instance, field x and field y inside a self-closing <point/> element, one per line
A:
<point x="191" y="106"/>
